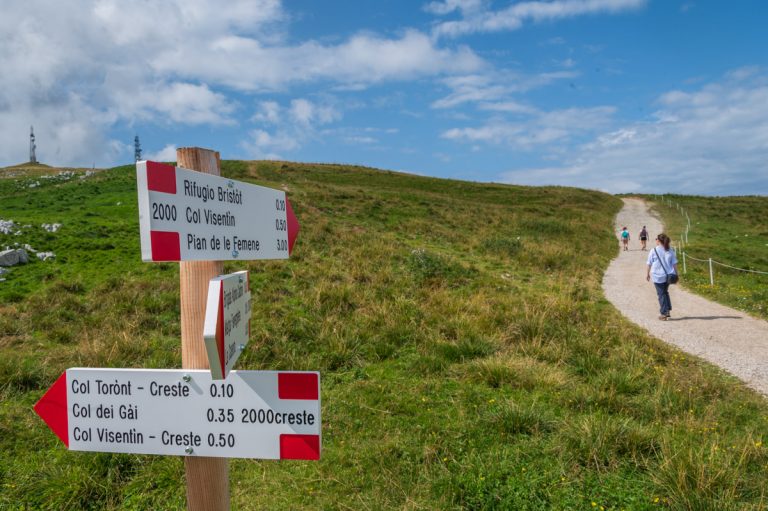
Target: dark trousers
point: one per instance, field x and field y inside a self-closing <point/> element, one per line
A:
<point x="665" y="304"/>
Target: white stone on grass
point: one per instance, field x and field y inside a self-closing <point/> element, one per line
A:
<point x="51" y="227"/>
<point x="7" y="226"/>
<point x="13" y="257"/>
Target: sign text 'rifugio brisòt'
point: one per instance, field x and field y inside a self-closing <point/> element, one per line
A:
<point x="191" y="216"/>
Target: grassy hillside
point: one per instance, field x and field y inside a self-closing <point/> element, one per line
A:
<point x="37" y="170"/>
<point x="732" y="231"/>
<point x="468" y="357"/>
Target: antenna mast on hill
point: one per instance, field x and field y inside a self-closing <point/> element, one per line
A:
<point x="136" y="148"/>
<point x="32" y="146"/>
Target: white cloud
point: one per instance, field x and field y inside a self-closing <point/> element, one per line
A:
<point x="267" y="112"/>
<point x="537" y="130"/>
<point x="512" y="107"/>
<point x="76" y="69"/>
<point x="269" y="146"/>
<point x="148" y="23"/>
<point x="246" y="64"/>
<point x="183" y="103"/>
<point x="388" y="131"/>
<point x="287" y="128"/>
<point x="491" y="87"/>
<point x="369" y="137"/>
<point x="301" y="112"/>
<point x="469" y="89"/>
<point x="444" y="7"/>
<point x="713" y="140"/>
<point x="358" y="140"/>
<point x="306" y="113"/>
<point x="480" y="19"/>
<point x="167" y="153"/>
<point x="67" y="130"/>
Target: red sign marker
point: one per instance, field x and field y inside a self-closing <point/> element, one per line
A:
<point x="293" y="226"/>
<point x="52" y="408"/>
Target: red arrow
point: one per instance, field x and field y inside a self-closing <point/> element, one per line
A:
<point x="52" y="408"/>
<point x="293" y="226"/>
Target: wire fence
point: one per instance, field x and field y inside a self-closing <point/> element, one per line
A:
<point x="684" y="241"/>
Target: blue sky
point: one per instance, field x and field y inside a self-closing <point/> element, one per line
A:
<point x="618" y="95"/>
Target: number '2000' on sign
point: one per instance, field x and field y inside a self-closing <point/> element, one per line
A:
<point x="260" y="416"/>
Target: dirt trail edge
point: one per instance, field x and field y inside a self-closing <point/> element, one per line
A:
<point x="725" y="337"/>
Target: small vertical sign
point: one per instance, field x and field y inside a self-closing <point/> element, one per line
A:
<point x="227" y="327"/>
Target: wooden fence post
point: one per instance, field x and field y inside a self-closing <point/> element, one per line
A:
<point x="207" y="478"/>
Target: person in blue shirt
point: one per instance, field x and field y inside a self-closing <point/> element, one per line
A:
<point x="625" y="238"/>
<point x="662" y="261"/>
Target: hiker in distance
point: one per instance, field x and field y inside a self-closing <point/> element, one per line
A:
<point x="643" y="238"/>
<point x="662" y="267"/>
<point x="625" y="238"/>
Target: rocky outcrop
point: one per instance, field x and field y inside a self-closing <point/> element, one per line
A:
<point x="7" y="226"/>
<point x="13" y="257"/>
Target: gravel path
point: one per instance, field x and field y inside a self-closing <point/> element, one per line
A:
<point x="726" y="337"/>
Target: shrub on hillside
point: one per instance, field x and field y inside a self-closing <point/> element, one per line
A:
<point x="505" y="246"/>
<point x="426" y="266"/>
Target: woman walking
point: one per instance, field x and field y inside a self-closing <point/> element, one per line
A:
<point x="625" y="238"/>
<point x="643" y="237"/>
<point x="662" y="264"/>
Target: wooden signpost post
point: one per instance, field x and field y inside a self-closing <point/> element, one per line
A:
<point x="207" y="478"/>
<point x="192" y="215"/>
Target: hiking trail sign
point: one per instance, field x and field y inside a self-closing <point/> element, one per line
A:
<point x="227" y="327"/>
<point x="199" y="219"/>
<point x="251" y="414"/>
<point x="186" y="215"/>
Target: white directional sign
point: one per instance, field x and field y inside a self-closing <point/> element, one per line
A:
<point x="251" y="414"/>
<point x="186" y="216"/>
<point x="227" y="326"/>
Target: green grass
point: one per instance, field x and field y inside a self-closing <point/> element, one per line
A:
<point x="730" y="230"/>
<point x="469" y="359"/>
<point x="29" y="171"/>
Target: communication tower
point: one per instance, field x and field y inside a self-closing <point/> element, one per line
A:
<point x="136" y="148"/>
<point x="32" y="146"/>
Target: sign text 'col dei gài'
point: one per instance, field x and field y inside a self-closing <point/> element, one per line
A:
<point x="191" y="216"/>
<point x="196" y="215"/>
<point x="251" y="414"/>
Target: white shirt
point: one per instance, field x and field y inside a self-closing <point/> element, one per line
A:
<point x="668" y="257"/>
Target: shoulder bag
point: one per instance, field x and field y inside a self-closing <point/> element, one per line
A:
<point x="672" y="278"/>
